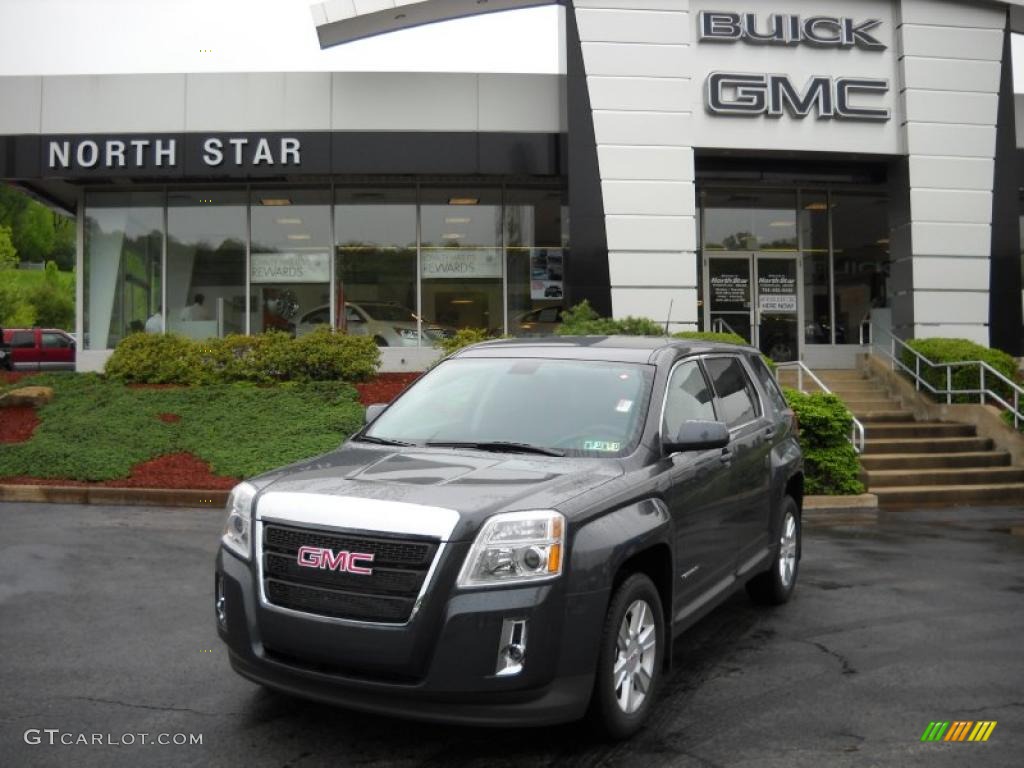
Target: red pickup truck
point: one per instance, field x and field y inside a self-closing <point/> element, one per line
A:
<point x="37" y="349"/>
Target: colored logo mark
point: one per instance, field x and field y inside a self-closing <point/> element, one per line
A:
<point x="959" y="730"/>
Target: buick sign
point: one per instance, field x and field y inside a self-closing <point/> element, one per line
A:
<point x="773" y="95"/>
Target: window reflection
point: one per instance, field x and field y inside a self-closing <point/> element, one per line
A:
<point x="860" y="243"/>
<point x="536" y="236"/>
<point x="206" y="243"/>
<point x="460" y="257"/>
<point x="814" y="242"/>
<point x="122" y="260"/>
<point x="741" y="220"/>
<point x="290" y="273"/>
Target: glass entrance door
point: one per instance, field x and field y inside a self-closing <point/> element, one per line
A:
<point x="778" y="310"/>
<point x="755" y="296"/>
<point x="728" y="289"/>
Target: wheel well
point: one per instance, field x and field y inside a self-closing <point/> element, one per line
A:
<point x="656" y="563"/>
<point x="795" y="488"/>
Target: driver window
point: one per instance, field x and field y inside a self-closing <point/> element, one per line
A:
<point x="352" y="316"/>
<point x="688" y="398"/>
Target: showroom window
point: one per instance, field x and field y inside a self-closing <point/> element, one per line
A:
<point x="536" y="237"/>
<point x="124" y="234"/>
<point x="749" y="220"/>
<point x="405" y="264"/>
<point x="814" y="245"/>
<point x="206" y="253"/>
<point x="290" y="262"/>
<point x="375" y="232"/>
<point x="860" y="260"/>
<point x="461" y="264"/>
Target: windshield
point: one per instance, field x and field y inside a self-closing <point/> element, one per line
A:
<point x="390" y="312"/>
<point x="576" y="407"/>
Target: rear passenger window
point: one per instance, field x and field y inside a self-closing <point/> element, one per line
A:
<point x="769" y="384"/>
<point x="22" y="339"/>
<point x="687" y="398"/>
<point x="54" y="341"/>
<point x="735" y="391"/>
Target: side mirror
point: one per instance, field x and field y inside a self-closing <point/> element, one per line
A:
<point x="373" y="411"/>
<point x="698" y="436"/>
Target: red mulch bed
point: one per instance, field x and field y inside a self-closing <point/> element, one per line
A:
<point x="385" y="387"/>
<point x="17" y="424"/>
<point x="169" y="418"/>
<point x="174" y="470"/>
<point x="12" y="377"/>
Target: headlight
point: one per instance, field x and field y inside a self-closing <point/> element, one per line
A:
<point x="515" y="547"/>
<point x="239" y="522"/>
<point x="407" y="333"/>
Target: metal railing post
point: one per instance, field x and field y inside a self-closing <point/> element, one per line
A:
<point x="1016" y="409"/>
<point x="981" y="368"/>
<point x="917" y="372"/>
<point x="949" y="384"/>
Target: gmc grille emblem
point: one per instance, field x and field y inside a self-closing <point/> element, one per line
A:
<point x="328" y="559"/>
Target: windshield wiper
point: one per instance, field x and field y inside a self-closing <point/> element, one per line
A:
<point x="380" y="440"/>
<point x="498" y="446"/>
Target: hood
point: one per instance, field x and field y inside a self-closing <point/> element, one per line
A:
<point x="474" y="484"/>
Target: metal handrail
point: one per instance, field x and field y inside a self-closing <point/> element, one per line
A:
<point x="718" y="325"/>
<point x="985" y="370"/>
<point x="856" y="436"/>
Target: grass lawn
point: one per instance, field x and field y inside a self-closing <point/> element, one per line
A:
<point x="98" y="430"/>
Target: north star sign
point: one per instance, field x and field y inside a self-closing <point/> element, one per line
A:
<point x="145" y="152"/>
<point x="773" y="95"/>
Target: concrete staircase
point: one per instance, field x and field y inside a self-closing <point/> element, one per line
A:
<point x="910" y="462"/>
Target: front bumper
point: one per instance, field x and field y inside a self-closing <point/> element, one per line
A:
<point x="439" y="667"/>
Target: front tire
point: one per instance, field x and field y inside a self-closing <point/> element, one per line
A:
<point x="630" y="662"/>
<point x="775" y="586"/>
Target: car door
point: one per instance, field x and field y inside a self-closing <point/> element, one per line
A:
<point x="697" y="494"/>
<point x="23" y="350"/>
<point x="739" y="405"/>
<point x="56" y="351"/>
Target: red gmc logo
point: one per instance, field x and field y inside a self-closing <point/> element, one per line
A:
<point x="348" y="562"/>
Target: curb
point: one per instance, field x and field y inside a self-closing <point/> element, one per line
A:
<point x="161" y="497"/>
<point x="862" y="506"/>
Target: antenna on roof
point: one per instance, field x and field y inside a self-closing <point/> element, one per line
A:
<point x="667" y="319"/>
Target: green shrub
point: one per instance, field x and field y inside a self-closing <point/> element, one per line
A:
<point x="830" y="462"/>
<point x="583" y="320"/>
<point x="964" y="377"/>
<point x="463" y="338"/>
<point x="151" y="358"/>
<point x="723" y="338"/>
<point x="322" y="355"/>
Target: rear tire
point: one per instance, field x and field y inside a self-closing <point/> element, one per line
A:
<point x="775" y="586"/>
<point x="630" y="662"/>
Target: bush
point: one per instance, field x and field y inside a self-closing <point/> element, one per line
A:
<point x="723" y="338"/>
<point x="830" y="462"/>
<point x="964" y="377"/>
<point x="149" y="358"/>
<point x="582" y="320"/>
<point x="54" y="301"/>
<point x="463" y="338"/>
<point x="322" y="355"/>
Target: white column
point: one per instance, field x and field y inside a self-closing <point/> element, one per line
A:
<point x="950" y="56"/>
<point x="636" y="54"/>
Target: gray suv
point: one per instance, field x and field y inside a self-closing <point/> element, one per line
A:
<point x="518" y="538"/>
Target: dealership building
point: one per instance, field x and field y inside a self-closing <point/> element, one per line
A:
<point x="796" y="173"/>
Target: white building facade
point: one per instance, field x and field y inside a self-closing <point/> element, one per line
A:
<point x="790" y="173"/>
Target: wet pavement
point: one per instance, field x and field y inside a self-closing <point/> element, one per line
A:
<point x="106" y="626"/>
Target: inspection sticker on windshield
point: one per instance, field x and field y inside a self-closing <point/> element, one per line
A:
<point x="601" y="445"/>
<point x="624" y="406"/>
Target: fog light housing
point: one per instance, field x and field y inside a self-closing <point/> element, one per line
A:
<point x="511" y="648"/>
<point x="219" y="603"/>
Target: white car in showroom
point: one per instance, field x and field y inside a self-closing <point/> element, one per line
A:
<point x="388" y="323"/>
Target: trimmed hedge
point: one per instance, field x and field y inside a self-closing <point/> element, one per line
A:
<point x="321" y="355"/>
<point x="724" y="338"/>
<point x="831" y="466"/>
<point x="964" y="377"/>
<point x="464" y="337"/>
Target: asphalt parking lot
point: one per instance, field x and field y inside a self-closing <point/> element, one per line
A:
<point x="106" y="626"/>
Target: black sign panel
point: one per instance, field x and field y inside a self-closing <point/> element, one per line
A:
<point x="279" y="154"/>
